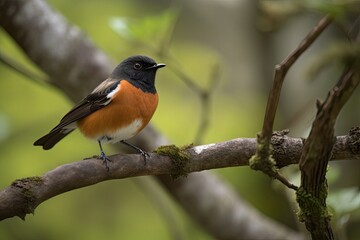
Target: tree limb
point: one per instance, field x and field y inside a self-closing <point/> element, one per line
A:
<point x="55" y="46"/>
<point x="28" y="193"/>
<point x="317" y="152"/>
<point x="233" y="216"/>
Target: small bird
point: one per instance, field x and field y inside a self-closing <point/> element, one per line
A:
<point x="116" y="110"/>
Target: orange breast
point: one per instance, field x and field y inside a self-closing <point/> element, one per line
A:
<point x="127" y="105"/>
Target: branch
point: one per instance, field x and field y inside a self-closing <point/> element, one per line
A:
<point x="203" y="94"/>
<point x="262" y="160"/>
<point x="320" y="146"/>
<point x="28" y="193"/>
<point x="281" y="71"/>
<point x="317" y="152"/>
<point x="55" y="46"/>
<point x="233" y="216"/>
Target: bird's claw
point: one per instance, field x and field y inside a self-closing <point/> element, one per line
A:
<point x="145" y="155"/>
<point x="105" y="160"/>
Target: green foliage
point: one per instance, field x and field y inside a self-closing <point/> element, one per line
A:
<point x="312" y="207"/>
<point x="151" y="30"/>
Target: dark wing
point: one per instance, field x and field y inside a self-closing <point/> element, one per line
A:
<point x="93" y="102"/>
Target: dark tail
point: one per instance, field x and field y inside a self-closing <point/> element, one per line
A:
<point x="52" y="138"/>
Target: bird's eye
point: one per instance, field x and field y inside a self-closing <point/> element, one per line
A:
<point x="137" y="66"/>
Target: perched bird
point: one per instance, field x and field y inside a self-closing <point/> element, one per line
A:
<point x="116" y="110"/>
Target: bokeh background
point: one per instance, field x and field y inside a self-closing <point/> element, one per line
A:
<point x="239" y="42"/>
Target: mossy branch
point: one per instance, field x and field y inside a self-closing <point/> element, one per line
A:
<point x="24" y="195"/>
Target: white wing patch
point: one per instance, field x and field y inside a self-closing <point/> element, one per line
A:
<point x="113" y="92"/>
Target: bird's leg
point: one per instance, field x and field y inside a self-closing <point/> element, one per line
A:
<point x="103" y="157"/>
<point x="142" y="152"/>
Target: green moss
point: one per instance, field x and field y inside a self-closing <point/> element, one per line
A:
<point x="26" y="185"/>
<point x="266" y="165"/>
<point x="263" y="160"/>
<point x="312" y="209"/>
<point x="179" y="158"/>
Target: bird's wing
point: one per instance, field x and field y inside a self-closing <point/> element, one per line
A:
<point x="99" y="98"/>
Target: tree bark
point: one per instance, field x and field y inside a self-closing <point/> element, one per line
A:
<point x="318" y="149"/>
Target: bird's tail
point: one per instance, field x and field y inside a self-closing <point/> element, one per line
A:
<point x="52" y="138"/>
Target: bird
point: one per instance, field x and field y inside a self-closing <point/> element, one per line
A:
<point x="116" y="110"/>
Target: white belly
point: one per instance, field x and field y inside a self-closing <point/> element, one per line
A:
<point x="123" y="133"/>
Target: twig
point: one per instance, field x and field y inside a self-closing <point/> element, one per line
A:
<point x="262" y="160"/>
<point x="280" y="73"/>
<point x="203" y="94"/>
<point x="189" y="82"/>
<point x="205" y="100"/>
<point x="17" y="67"/>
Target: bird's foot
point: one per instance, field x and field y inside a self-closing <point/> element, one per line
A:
<point x="105" y="160"/>
<point x="144" y="154"/>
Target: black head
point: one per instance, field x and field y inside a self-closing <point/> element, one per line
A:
<point x="139" y="70"/>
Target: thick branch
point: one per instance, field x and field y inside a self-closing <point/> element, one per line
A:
<point x="55" y="46"/>
<point x="317" y="152"/>
<point x="28" y="193"/>
<point x="233" y="216"/>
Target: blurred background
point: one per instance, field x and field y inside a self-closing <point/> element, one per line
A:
<point x="228" y="47"/>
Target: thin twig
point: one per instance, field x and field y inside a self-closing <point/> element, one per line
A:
<point x="280" y="73"/>
<point x="262" y="160"/>
<point x="189" y="82"/>
<point x="204" y="95"/>
<point x="19" y="68"/>
<point x="284" y="181"/>
<point x="205" y="100"/>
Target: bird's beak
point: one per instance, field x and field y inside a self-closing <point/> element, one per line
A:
<point x="156" y="66"/>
